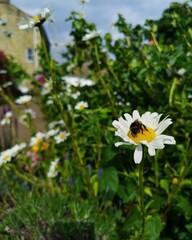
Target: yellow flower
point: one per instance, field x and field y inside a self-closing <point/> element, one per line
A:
<point x="175" y="181"/>
<point x="40" y="146"/>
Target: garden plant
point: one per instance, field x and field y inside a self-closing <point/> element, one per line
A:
<point x="114" y="162"/>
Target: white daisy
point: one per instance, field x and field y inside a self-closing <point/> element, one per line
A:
<point x="61" y="137"/>
<point x="53" y="169"/>
<point x="29" y="112"/>
<point x="55" y="124"/>
<point x="181" y="71"/>
<point x="51" y="133"/>
<point x="49" y="102"/>
<point x="6" y="156"/>
<point x="7" y="84"/>
<point x="145" y="129"/>
<point x="90" y="35"/>
<point x="77" y="81"/>
<point x="47" y="88"/>
<point x="17" y="148"/>
<point x="26" y="116"/>
<point x="23" y="99"/>
<point x="7" y="118"/>
<point x="37" y="139"/>
<point x="37" y="20"/>
<point x="23" y="89"/>
<point x="75" y="95"/>
<point x="3" y="71"/>
<point x="81" y="105"/>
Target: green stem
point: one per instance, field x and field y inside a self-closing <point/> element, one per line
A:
<point x="65" y="115"/>
<point x="104" y="85"/>
<point x="156" y="171"/>
<point x="156" y="43"/>
<point x="142" y="207"/>
<point x="171" y="93"/>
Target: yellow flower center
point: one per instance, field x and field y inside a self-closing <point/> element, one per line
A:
<point x="81" y="106"/>
<point x="147" y="134"/>
<point x="7" y="118"/>
<point x="44" y="146"/>
<point x="35" y="148"/>
<point x="36" y="19"/>
<point x="38" y="141"/>
<point x="6" y="157"/>
<point x="63" y="135"/>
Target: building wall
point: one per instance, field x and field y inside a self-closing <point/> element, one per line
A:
<point x="20" y="41"/>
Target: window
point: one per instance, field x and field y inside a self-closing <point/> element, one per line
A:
<point x="30" y="54"/>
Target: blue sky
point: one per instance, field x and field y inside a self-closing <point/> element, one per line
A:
<point x="102" y="12"/>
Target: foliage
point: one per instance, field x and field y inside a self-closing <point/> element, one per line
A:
<point x="95" y="189"/>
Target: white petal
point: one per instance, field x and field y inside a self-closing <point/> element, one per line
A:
<point x="136" y="115"/>
<point x="168" y="139"/>
<point x="163" y="125"/>
<point x="158" y="142"/>
<point x="155" y="122"/>
<point x="24" y="27"/>
<point x="117" y="144"/>
<point x="122" y="135"/>
<point x="138" y="154"/>
<point x="145" y="118"/>
<point x="129" y="118"/>
<point x="151" y="150"/>
<point x="121" y="124"/>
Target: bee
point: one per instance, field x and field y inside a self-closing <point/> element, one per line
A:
<point x="137" y="127"/>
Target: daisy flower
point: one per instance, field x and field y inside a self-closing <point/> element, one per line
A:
<point x="61" y="137"/>
<point x="47" y="88"/>
<point x="36" y="21"/>
<point x="181" y="71"/>
<point x="53" y="169"/>
<point x="7" y="118"/>
<point x="23" y="99"/>
<point x="77" y="81"/>
<point x="90" y="35"/>
<point x="54" y="124"/>
<point x="7" y="84"/>
<point x="29" y="112"/>
<point x="23" y="89"/>
<point x="37" y="139"/>
<point x="6" y="156"/>
<point x="51" y="133"/>
<point x="145" y="129"/>
<point x="75" y="95"/>
<point x="38" y="142"/>
<point x="81" y="105"/>
<point x="17" y="148"/>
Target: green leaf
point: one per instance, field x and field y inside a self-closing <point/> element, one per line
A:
<point x="153" y="227"/>
<point x="185" y="206"/>
<point x="94" y="183"/>
<point x="109" y="180"/>
<point x="165" y="185"/>
<point x="176" y="56"/>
